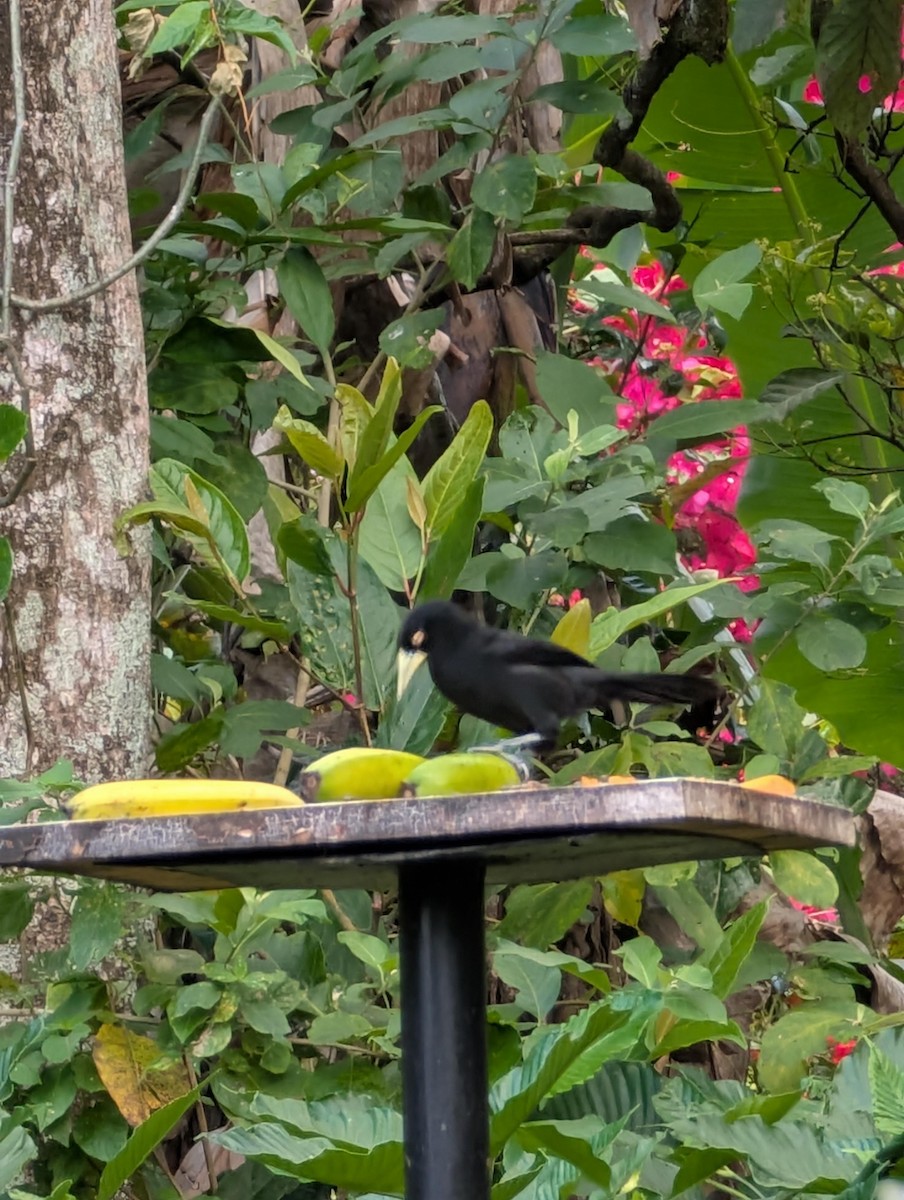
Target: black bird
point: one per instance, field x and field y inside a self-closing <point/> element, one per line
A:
<point x="522" y="684"/>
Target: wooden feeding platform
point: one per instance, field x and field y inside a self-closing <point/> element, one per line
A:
<point x="440" y="853"/>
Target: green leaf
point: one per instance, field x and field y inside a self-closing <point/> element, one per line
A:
<point x="799" y="1035"/>
<point x="16" y="1150"/>
<point x="279" y="353"/>
<point x="565" y="384"/>
<point x="100" y="1130"/>
<point x="581" y="1143"/>
<point x="179" y="27"/>
<point x="469" y="251"/>
<point x="775" y="720"/>
<point x="795" y="387"/>
<point x="179" y="747"/>
<point x="580" y="96"/>
<point x="277" y="630"/>
<point x="304" y="542"/>
<point x="599" y="34"/>
<point x="246" y="725"/>
<point x="196" y="388"/>
<point x="257" y="24"/>
<point x="612" y="624"/>
<point x="408" y="338"/>
<point x="310" y="444"/>
<point x="858" y="40"/>
<point x="845" y="496"/>
<point x="16" y="910"/>
<point x="719" y="284"/>
<point x="451" y="475"/>
<point x="6" y="567"/>
<point x="377" y="431"/>
<point x="698" y="420"/>
<point x="621" y="296"/>
<point x="307" y="294"/>
<point x="633" y="543"/>
<point x="388" y="539"/>
<point x="830" y="644"/>
<point x="727" y="958"/>
<point x="223" y="539"/>
<point x="448" y="554"/>
<point x="414" y="721"/>
<point x="13" y="424"/>
<point x="97" y="916"/>
<point x="804" y="877"/>
<point x="886" y="1083"/>
<point x="370" y="950"/>
<point x="144" y="1140"/>
<point x="506" y="187"/>
<point x="540" y="914"/>
<point x="370" y="478"/>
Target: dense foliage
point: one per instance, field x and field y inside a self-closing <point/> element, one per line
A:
<point x="700" y="468"/>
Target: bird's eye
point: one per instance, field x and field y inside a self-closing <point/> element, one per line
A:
<point x="418" y="638"/>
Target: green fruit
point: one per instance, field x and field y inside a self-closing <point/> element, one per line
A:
<point x="357" y="773"/>
<point x="458" y="774"/>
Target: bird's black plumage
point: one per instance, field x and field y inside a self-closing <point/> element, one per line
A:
<point x="522" y="684"/>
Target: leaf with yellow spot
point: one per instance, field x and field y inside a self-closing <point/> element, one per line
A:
<point x="127" y="1064"/>
<point x="573" y="631"/>
<point x="623" y="893"/>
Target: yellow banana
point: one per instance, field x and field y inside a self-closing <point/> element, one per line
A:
<point x="357" y="773"/>
<point x="175" y="797"/>
<point x="455" y="774"/>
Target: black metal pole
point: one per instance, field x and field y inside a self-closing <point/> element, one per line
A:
<point x="444" y="1052"/>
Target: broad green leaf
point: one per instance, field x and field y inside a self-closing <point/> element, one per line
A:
<point x="258" y="24"/>
<point x="414" y="721"/>
<point x="581" y="1143"/>
<point x="377" y="431"/>
<point x="727" y="958"/>
<point x="280" y="354"/>
<point x="246" y="725"/>
<point x="355" y="414"/>
<point x="450" y="476"/>
<point x="567" y="384"/>
<point x="97" y="916"/>
<point x="804" y="877"/>
<point x="408" y="338"/>
<point x="540" y="914"/>
<point x="774" y="722"/>
<point x="610" y="625"/>
<point x="304" y="542"/>
<point x="212" y="526"/>
<point x="796" y="386"/>
<point x="599" y="34"/>
<point x="13" y="424"/>
<point x="307" y="294"/>
<point x="144" y="1140"/>
<point x="178" y="747"/>
<point x="324" y="629"/>
<point x="623" y="297"/>
<point x="369" y="479"/>
<point x="858" y="42"/>
<point x="518" y="579"/>
<point x="698" y="420"/>
<point x="388" y="539"/>
<point x="844" y="496"/>
<point x="799" y="1035"/>
<point x="310" y="444"/>
<point x="16" y="910"/>
<point x="573" y="629"/>
<point x="830" y="644"/>
<point x="178" y="27"/>
<point x="506" y="187"/>
<point x="6" y="567"/>
<point x="16" y="1150"/>
<point x="276" y="630"/>
<point x="470" y="249"/>
<point x="448" y="554"/>
<point x="580" y="96"/>
<point x="632" y="543"/>
<point x="719" y="284"/>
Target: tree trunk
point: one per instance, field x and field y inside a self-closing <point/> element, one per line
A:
<point x="75" y="635"/>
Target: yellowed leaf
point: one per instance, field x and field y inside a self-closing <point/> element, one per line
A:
<point x="128" y="1066"/>
<point x="573" y="631"/>
<point x="623" y="893"/>
<point x="777" y="785"/>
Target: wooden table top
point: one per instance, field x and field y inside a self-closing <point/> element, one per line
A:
<point x="525" y="835"/>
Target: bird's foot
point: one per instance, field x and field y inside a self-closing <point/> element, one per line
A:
<point x="527" y="741"/>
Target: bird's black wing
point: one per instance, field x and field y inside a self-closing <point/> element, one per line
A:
<point x="516" y="649"/>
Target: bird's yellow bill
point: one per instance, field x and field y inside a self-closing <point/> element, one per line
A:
<point x="407" y="663"/>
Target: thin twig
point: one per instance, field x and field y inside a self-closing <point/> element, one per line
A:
<point x="6" y="343"/>
<point x="341" y="915"/>
<point x="17" y="71"/>
<point x="147" y="248"/>
<point x="302" y="683"/>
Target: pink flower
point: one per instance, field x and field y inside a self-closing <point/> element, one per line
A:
<point x="818" y="914"/>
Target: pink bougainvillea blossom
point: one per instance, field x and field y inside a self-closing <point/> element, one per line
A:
<point x="840" y="1050"/>
<point x="829" y="915"/>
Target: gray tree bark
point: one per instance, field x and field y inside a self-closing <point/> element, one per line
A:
<point x="75" y="630"/>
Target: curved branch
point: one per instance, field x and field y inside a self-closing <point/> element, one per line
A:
<point x="147" y="248"/>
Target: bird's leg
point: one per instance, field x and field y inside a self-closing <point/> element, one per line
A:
<point x="527" y="741"/>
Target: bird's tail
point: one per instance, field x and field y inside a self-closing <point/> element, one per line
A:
<point x="656" y="689"/>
